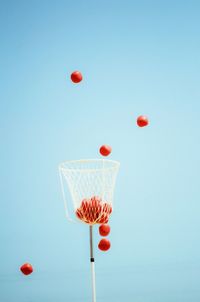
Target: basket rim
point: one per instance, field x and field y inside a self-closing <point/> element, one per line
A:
<point x="62" y="167"/>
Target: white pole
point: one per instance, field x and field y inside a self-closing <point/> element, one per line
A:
<point x="92" y="266"/>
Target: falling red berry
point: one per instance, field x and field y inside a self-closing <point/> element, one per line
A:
<point x="76" y="77"/>
<point x="104" y="230"/>
<point x="104" y="245"/>
<point x="105" y="150"/>
<point x="142" y="121"/>
<point x="26" y="269"/>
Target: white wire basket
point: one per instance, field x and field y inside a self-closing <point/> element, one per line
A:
<point x="91" y="184"/>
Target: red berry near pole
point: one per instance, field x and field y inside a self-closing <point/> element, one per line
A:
<point x="26" y="269"/>
<point x="104" y="230"/>
<point x="76" y="77"/>
<point x="142" y="121"/>
<point x="105" y="150"/>
<point x="104" y="245"/>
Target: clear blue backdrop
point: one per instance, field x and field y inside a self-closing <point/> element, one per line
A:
<point x="137" y="57"/>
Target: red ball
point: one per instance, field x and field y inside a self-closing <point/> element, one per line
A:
<point x="104" y="230"/>
<point x="142" y="121"/>
<point x="76" y="77"/>
<point x="26" y="269"/>
<point x="105" y="150"/>
<point x="104" y="245"/>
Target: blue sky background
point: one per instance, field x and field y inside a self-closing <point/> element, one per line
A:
<point x="136" y="57"/>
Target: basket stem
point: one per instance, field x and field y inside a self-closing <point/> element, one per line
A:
<point x="92" y="265"/>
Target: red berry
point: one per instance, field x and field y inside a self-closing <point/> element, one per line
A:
<point x="104" y="230"/>
<point x="104" y="245"/>
<point x="142" y="121"/>
<point x="105" y="150"/>
<point x="26" y="269"/>
<point x="76" y="77"/>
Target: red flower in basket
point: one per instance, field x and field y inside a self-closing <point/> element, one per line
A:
<point x="93" y="211"/>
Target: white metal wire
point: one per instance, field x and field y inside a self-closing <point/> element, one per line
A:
<point x="88" y="178"/>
